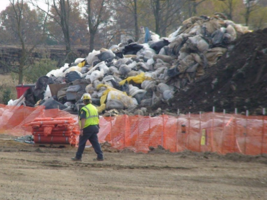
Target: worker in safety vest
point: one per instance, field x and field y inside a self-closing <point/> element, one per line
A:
<point x="89" y="127"/>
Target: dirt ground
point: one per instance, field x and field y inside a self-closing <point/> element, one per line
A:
<point x="47" y="173"/>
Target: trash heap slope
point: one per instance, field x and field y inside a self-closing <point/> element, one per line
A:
<point x="237" y="81"/>
<point x="174" y="72"/>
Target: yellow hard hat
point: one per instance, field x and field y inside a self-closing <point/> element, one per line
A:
<point x="86" y="96"/>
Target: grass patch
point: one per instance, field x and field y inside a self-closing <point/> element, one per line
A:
<point x="7" y="83"/>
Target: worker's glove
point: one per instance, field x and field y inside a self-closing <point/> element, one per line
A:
<point x="81" y="132"/>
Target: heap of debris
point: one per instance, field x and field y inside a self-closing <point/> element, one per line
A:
<point x="134" y="77"/>
<point x="237" y="83"/>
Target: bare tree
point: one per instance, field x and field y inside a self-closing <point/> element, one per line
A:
<point x="96" y="14"/>
<point x="251" y="6"/>
<point x="63" y="12"/>
<point x="156" y="8"/>
<point x="228" y="7"/>
<point x="166" y="13"/>
<point x="171" y="15"/>
<point x="136" y="29"/>
<point x="192" y="6"/>
<point x="129" y="6"/>
<point x="25" y="28"/>
<point x="59" y="13"/>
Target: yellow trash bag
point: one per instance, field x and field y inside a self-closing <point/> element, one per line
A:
<point x="81" y="64"/>
<point x="101" y="108"/>
<point x="116" y="95"/>
<point x="137" y="79"/>
<point x="103" y="98"/>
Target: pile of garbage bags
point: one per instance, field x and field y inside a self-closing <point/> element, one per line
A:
<point x="134" y="75"/>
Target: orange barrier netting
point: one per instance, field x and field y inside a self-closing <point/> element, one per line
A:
<point x="209" y="132"/>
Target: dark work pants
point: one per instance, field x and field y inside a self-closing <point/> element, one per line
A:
<point x="92" y="137"/>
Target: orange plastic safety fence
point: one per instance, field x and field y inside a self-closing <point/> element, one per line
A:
<point x="209" y="132"/>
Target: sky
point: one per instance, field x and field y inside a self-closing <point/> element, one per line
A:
<point x="5" y="3"/>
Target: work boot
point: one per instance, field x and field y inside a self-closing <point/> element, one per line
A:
<point x="76" y="159"/>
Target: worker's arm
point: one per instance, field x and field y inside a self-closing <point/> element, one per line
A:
<point x="82" y="123"/>
<point x="82" y="116"/>
<point x="82" y="126"/>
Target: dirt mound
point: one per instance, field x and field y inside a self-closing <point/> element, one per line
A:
<point x="238" y="80"/>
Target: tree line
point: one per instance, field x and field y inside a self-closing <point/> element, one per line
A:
<point x="101" y="23"/>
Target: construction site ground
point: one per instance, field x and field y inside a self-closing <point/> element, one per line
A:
<point x="31" y="171"/>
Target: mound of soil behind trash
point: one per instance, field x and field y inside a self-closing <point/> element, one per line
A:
<point x="238" y="81"/>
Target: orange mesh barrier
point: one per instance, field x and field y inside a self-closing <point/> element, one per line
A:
<point x="209" y="132"/>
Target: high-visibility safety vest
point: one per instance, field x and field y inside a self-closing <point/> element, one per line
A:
<point x="91" y="115"/>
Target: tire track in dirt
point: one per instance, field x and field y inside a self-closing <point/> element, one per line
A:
<point x="59" y="164"/>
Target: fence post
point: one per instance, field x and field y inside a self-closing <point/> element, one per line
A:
<point x="24" y="106"/>
<point x="162" y="133"/>
<point x="223" y="130"/>
<point x="138" y="133"/>
<point x="234" y="131"/>
<point x="176" y="150"/>
<point x="177" y="133"/>
<point x="149" y="126"/>
<point x="110" y="129"/>
<point x="245" y="147"/>
<point x="188" y="133"/>
<point x="262" y="134"/>
<point x="212" y="132"/>
<point x="200" y="131"/>
<point x="125" y="130"/>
